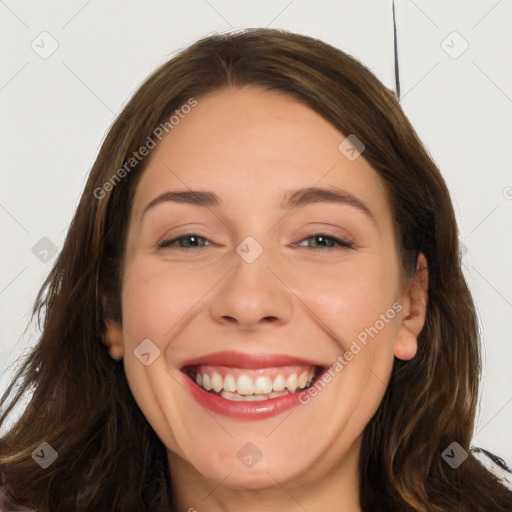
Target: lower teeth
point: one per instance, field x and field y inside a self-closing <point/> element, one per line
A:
<point x="235" y="397"/>
<point x="251" y="398"/>
<point x="242" y="398"/>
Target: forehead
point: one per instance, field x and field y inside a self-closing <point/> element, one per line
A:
<point x="249" y="145"/>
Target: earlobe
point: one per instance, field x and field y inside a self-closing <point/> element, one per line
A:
<point x="113" y="339"/>
<point x="414" y="313"/>
<point x="113" y="336"/>
<point x="406" y="345"/>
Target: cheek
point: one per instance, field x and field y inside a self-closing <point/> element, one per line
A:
<point x="359" y="307"/>
<point x="156" y="299"/>
<point x="155" y="302"/>
<point x="353" y="297"/>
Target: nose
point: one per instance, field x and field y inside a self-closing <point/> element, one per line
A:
<point x="252" y="295"/>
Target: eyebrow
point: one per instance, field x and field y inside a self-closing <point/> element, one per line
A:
<point x="292" y="199"/>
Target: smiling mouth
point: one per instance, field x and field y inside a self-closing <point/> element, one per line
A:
<point x="250" y="385"/>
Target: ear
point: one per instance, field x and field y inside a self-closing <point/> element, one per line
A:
<point x="414" y="302"/>
<point x="113" y="337"/>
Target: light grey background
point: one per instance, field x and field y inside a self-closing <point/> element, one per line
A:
<point x="57" y="108"/>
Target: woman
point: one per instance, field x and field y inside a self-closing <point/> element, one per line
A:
<point x="254" y="369"/>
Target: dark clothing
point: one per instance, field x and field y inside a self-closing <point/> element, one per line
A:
<point x="6" y="505"/>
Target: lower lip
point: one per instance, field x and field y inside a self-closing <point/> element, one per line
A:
<point x="242" y="410"/>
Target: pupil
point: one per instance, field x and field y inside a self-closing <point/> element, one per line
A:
<point x="320" y="237"/>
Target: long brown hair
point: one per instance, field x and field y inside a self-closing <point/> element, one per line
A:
<point x="109" y="458"/>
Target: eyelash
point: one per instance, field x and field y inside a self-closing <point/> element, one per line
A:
<point x="341" y="244"/>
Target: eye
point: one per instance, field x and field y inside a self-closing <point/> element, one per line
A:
<point x="170" y="242"/>
<point x="333" y="242"/>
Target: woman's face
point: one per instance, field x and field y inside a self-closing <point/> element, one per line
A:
<point x="266" y="281"/>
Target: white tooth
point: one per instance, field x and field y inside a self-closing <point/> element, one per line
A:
<point x="254" y="398"/>
<point x="244" y="385"/>
<point x="291" y="382"/>
<point x="216" y="382"/>
<point x="279" y="383"/>
<point x="311" y="376"/>
<point x="199" y="380"/>
<point x="302" y="380"/>
<point x="277" y="394"/>
<point x="229" y="383"/>
<point x="206" y="382"/>
<point x="262" y="385"/>
<point x="235" y="397"/>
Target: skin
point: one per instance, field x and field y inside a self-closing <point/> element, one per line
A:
<point x="248" y="146"/>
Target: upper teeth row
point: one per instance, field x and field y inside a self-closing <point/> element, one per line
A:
<point x="245" y="385"/>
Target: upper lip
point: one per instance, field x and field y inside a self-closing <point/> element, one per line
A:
<point x="235" y="359"/>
